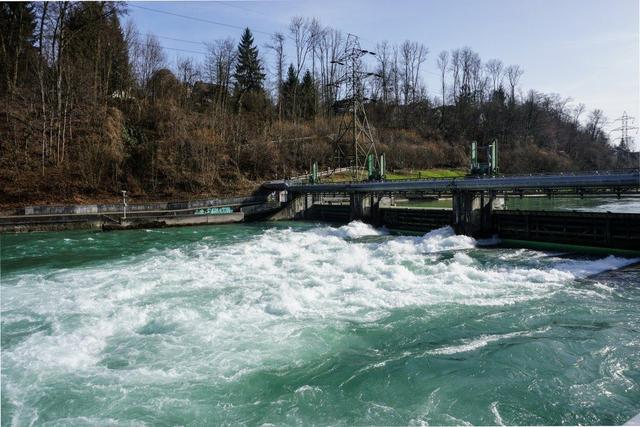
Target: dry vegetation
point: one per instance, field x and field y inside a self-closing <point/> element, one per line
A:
<point x="88" y="108"/>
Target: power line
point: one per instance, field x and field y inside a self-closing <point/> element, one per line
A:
<point x="184" y="50"/>
<point x="171" y="38"/>
<point x="193" y="18"/>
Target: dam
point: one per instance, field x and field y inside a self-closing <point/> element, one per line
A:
<point x="474" y="206"/>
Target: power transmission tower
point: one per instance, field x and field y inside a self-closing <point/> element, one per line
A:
<point x="354" y="141"/>
<point x="624" y="129"/>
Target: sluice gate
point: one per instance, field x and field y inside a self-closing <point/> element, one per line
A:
<point x="412" y="219"/>
<point x="605" y="229"/>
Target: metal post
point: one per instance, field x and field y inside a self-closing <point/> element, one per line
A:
<point x="474" y="156"/>
<point x="124" y="204"/>
<point x="494" y="157"/>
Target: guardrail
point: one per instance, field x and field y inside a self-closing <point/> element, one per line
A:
<point x="541" y="174"/>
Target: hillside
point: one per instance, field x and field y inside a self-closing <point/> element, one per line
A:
<point x="89" y="108"/>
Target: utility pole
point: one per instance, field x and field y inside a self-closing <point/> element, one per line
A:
<point x="355" y="124"/>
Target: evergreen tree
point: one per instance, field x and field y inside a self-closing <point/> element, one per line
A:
<point x="307" y="96"/>
<point x="289" y="88"/>
<point x="97" y="52"/>
<point x="248" y="74"/>
<point x="121" y="77"/>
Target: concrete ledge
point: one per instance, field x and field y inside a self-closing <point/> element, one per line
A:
<point x="86" y="216"/>
<point x="117" y="207"/>
<point x="159" y="222"/>
<point x="635" y="421"/>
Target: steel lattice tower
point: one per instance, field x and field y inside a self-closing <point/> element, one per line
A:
<point x="624" y="129"/>
<point x="354" y="140"/>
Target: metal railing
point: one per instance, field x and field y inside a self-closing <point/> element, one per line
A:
<point x="538" y="174"/>
<point x="576" y="180"/>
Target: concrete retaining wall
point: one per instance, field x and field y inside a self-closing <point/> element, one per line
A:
<point x="117" y="207"/>
<point x="177" y="221"/>
<point x="109" y="216"/>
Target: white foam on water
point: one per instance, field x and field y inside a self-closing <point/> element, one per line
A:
<point x="353" y="230"/>
<point x="482" y="341"/>
<point x="219" y="312"/>
<point x="307" y="389"/>
<point x="441" y="239"/>
<point x="581" y="268"/>
<point x="496" y="413"/>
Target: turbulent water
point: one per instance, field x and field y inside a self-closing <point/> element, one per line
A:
<point x="295" y="324"/>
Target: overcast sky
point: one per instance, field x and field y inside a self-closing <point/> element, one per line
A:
<point x="586" y="50"/>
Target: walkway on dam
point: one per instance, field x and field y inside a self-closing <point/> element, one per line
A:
<point x="607" y="180"/>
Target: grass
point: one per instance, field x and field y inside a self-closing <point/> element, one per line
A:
<point x="426" y="174"/>
<point x="404" y="174"/>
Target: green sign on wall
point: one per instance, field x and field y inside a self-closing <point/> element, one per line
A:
<point x="214" y="211"/>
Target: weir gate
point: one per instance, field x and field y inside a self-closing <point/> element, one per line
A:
<point x="476" y="206"/>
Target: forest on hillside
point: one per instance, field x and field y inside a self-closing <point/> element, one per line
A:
<point x="90" y="106"/>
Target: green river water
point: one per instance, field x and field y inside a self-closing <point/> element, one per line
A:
<point x="309" y="324"/>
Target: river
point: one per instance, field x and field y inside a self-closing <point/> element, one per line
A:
<point x="309" y="324"/>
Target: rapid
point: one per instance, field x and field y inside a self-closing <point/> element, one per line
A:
<point x="312" y="324"/>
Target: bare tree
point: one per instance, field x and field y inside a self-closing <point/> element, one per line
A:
<point x="513" y="72"/>
<point x="454" y="67"/>
<point x="469" y="65"/>
<point x="494" y="69"/>
<point x="315" y="33"/>
<point x="395" y="75"/>
<point x="219" y="62"/>
<point x="303" y="37"/>
<point x="413" y="55"/>
<point x="597" y="121"/>
<point x="330" y="46"/>
<point x="188" y="70"/>
<point x="277" y="46"/>
<point x="443" y="65"/>
<point x="300" y="31"/>
<point x="577" y="112"/>
<point x="149" y="58"/>
<point x="383" y="56"/>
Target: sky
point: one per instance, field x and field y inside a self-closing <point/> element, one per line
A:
<point x="585" y="50"/>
